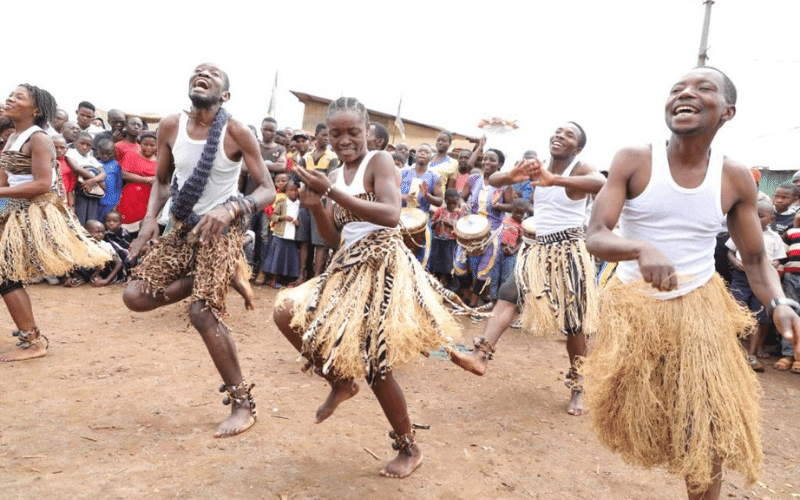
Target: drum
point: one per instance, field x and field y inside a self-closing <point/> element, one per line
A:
<point x="473" y="233"/>
<point x="413" y="223"/>
<point x="529" y="230"/>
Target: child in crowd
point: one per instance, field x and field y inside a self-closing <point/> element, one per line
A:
<point x="130" y="141"/>
<point x="282" y="259"/>
<point x="510" y="241"/>
<point x="397" y="158"/>
<point x="115" y="233"/>
<point x="120" y="240"/>
<point x="101" y="276"/>
<point x="790" y="360"/>
<point x="267" y="226"/>
<point x="67" y="175"/>
<point x="90" y="178"/>
<point x="443" y="244"/>
<point x="113" y="181"/>
<point x="740" y="287"/>
<point x="783" y="199"/>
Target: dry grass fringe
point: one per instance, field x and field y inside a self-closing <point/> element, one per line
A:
<point x="556" y="288"/>
<point x="376" y="311"/>
<point x="42" y="238"/>
<point x="668" y="383"/>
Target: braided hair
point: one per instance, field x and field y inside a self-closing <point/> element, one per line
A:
<point x="347" y="104"/>
<point x="45" y="103"/>
<point x="501" y="158"/>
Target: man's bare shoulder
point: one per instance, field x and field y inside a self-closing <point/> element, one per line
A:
<point x="632" y="158"/>
<point x="170" y="121"/>
<point x="583" y="168"/>
<point x="736" y="174"/>
<point x="235" y="128"/>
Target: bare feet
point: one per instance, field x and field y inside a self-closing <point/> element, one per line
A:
<point x="472" y="361"/>
<point x="239" y="421"/>
<point x="403" y="465"/>
<point x="575" y="405"/>
<point x="36" y="350"/>
<point x="242" y="285"/>
<point x="341" y="391"/>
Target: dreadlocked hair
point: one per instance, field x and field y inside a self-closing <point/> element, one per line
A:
<point x="346" y="104"/>
<point x="45" y="103"/>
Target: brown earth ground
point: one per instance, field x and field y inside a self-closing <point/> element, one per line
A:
<point x="125" y="404"/>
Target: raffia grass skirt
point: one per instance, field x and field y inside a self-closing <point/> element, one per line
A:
<point x="374" y="308"/>
<point x="668" y="384"/>
<point x="557" y="291"/>
<point x="41" y="237"/>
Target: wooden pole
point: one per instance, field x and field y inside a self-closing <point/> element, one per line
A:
<point x="703" y="55"/>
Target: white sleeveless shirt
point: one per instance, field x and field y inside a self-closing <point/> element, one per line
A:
<point x="354" y="231"/>
<point x="554" y="211"/>
<point x="17" y="179"/>
<point x="681" y="222"/>
<point x="224" y="179"/>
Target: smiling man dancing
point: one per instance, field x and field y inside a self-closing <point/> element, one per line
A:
<point x="200" y="154"/>
<point x="667" y="380"/>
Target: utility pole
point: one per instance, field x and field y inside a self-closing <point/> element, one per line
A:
<point x="703" y="55"/>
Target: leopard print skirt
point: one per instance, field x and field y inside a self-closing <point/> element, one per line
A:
<point x="180" y="253"/>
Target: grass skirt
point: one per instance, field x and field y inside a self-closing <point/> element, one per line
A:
<point x="41" y="237"/>
<point x="667" y="381"/>
<point x="556" y="282"/>
<point x="372" y="309"/>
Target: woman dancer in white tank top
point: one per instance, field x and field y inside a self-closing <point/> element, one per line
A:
<point x="374" y="307"/>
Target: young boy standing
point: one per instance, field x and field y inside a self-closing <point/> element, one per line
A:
<point x="784" y="199"/>
<point x="740" y="286"/>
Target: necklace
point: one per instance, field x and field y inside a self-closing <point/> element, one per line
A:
<point x="191" y="115"/>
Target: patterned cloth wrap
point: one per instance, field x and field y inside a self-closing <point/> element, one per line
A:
<point x="180" y="253"/>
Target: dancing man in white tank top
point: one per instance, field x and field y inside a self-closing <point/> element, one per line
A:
<point x="667" y="380"/>
<point x="554" y="277"/>
<point x="200" y="155"/>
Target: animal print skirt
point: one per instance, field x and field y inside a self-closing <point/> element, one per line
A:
<point x="373" y="308"/>
<point x="180" y="253"/>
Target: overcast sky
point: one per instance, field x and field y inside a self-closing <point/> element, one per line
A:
<point x="606" y="64"/>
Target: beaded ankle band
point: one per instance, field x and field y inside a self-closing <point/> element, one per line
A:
<point x="483" y="345"/>
<point x="31" y="338"/>
<point x="237" y="395"/>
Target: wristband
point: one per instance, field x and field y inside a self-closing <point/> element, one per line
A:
<point x="328" y="191"/>
<point x="783" y="301"/>
<point x="230" y="210"/>
<point x="253" y="202"/>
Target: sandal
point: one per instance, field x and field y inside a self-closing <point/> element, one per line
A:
<point x="795" y="367"/>
<point x="783" y="364"/>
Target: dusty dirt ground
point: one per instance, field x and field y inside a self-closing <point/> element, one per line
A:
<point x="125" y="404"/>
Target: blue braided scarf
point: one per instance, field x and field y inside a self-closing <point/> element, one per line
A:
<point x="184" y="200"/>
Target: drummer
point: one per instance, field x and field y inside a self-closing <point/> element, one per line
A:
<point x="420" y="187"/>
<point x="485" y="199"/>
<point x="476" y="271"/>
<point x="554" y="278"/>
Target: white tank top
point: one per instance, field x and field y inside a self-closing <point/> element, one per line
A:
<point x="17" y="179"/>
<point x="224" y="179"/>
<point x="683" y="223"/>
<point x="554" y="211"/>
<point x="354" y="231"/>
